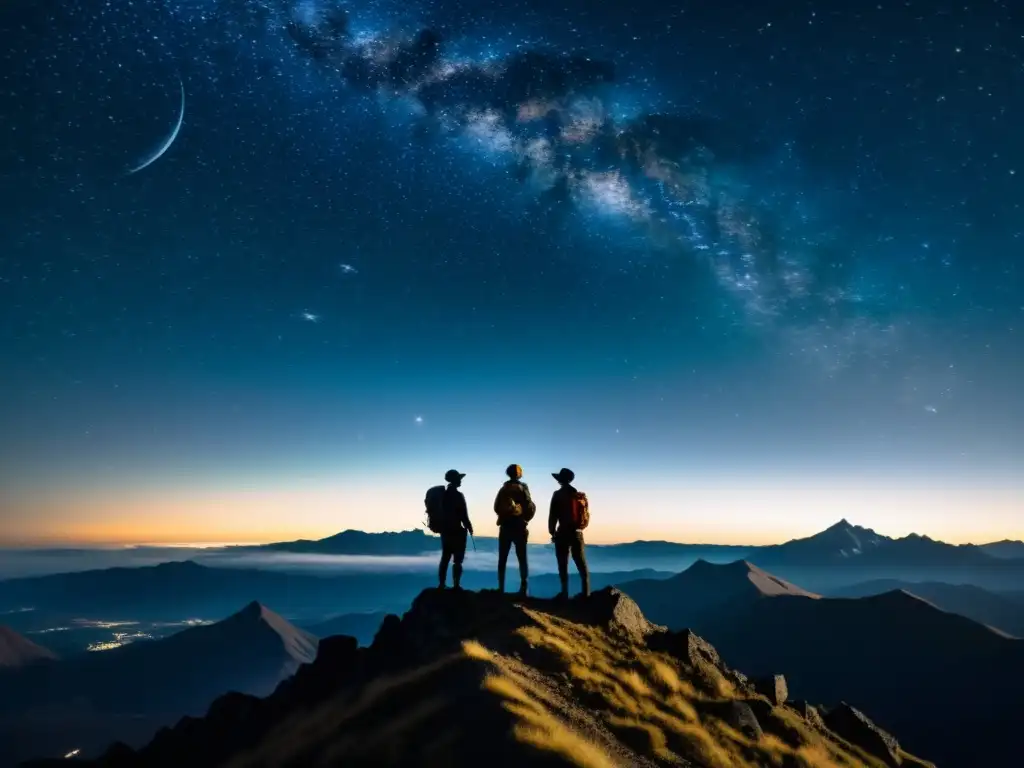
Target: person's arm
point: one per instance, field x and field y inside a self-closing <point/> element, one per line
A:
<point x="553" y="514"/>
<point x="497" y="500"/>
<point x="465" y="515"/>
<point x="529" y="508"/>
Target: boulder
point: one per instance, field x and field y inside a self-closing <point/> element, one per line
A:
<point x="740" y="716"/>
<point x="773" y="688"/>
<point x="618" y="610"/>
<point x="857" y="728"/>
<point x="735" y="713"/>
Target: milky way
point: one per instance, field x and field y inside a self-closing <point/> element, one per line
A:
<point x="695" y="185"/>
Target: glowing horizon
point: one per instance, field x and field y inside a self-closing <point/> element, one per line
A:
<point x="715" y="513"/>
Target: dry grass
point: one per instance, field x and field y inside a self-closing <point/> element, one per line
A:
<point x="657" y="707"/>
<point x="538" y="727"/>
<point x="579" y="695"/>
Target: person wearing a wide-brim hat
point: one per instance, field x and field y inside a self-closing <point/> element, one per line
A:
<point x="569" y="515"/>
<point x="515" y="509"/>
<point x="454" y="528"/>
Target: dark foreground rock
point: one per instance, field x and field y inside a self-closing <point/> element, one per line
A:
<point x="468" y="679"/>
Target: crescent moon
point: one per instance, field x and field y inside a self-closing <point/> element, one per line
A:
<point x="162" y="149"/>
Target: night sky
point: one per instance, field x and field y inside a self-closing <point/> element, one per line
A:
<point x="746" y="267"/>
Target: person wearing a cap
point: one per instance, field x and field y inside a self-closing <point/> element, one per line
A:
<point x="453" y="532"/>
<point x="568" y="539"/>
<point x="514" y="508"/>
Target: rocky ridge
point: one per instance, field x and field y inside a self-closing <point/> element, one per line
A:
<point x="465" y="678"/>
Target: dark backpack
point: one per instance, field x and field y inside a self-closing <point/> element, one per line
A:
<point x="579" y="510"/>
<point x="434" y="502"/>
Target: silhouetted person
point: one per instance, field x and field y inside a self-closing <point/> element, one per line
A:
<point x="515" y="509"/>
<point x="569" y="515"/>
<point x="455" y="525"/>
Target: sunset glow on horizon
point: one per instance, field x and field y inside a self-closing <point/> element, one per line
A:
<point x="766" y="513"/>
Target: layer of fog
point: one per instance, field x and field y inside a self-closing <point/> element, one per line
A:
<point x="16" y="563"/>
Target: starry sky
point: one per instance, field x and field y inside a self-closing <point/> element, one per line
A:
<point x="746" y="267"/>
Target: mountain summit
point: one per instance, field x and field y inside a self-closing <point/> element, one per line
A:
<point x="852" y="545"/>
<point x="469" y="679"/>
<point x="86" y="701"/>
<point x="18" y="651"/>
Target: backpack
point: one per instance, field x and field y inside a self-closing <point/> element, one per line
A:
<point x="434" y="502"/>
<point x="509" y="508"/>
<point x="579" y="510"/>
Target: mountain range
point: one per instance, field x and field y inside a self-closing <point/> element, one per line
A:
<point x="17" y="651"/>
<point x="999" y="611"/>
<point x="188" y="590"/>
<point x="85" y="701"/>
<point x="842" y="542"/>
<point x="465" y="679"/>
<point x="945" y="683"/>
<point x="845" y="544"/>
<point x="841" y="555"/>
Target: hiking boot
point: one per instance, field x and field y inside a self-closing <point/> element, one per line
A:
<point x="522" y="590"/>
<point x="562" y="596"/>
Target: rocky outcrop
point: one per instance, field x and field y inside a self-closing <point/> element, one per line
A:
<point x="466" y="678"/>
<point x="854" y="726"/>
<point x="773" y="688"/>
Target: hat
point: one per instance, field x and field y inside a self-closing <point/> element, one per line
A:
<point x="564" y="475"/>
<point x="452" y="475"/>
<point x="514" y="471"/>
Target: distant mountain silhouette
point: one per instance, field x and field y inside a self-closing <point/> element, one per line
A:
<point x="854" y="546"/>
<point x="844" y="544"/>
<point x="659" y="554"/>
<point x="183" y="590"/>
<point x="86" y="701"/>
<point x="190" y="590"/>
<point x="1006" y="549"/>
<point x="352" y="542"/>
<point x="17" y="651"/>
<point x="467" y="679"/>
<point x="944" y="683"/>
<point x="990" y="608"/>
<point x="704" y="590"/>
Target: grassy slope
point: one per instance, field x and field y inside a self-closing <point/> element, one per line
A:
<point x="555" y="692"/>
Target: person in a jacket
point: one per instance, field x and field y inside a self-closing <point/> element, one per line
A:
<point x="514" y="508"/>
<point x="566" y="534"/>
<point x="455" y="526"/>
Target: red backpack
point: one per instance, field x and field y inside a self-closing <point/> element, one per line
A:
<point x="579" y="510"/>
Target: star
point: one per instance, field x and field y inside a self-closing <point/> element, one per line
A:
<point x="311" y="317"/>
<point x="348" y="269"/>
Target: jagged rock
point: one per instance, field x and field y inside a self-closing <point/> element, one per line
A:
<point x="619" y="611"/>
<point x="232" y="708"/>
<point x="773" y="688"/>
<point x="335" y="654"/>
<point x="699" y="655"/>
<point x="857" y="728"/>
<point x="690" y="648"/>
<point x="740" y="716"/>
<point x="389" y="635"/>
<point x="763" y="710"/>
